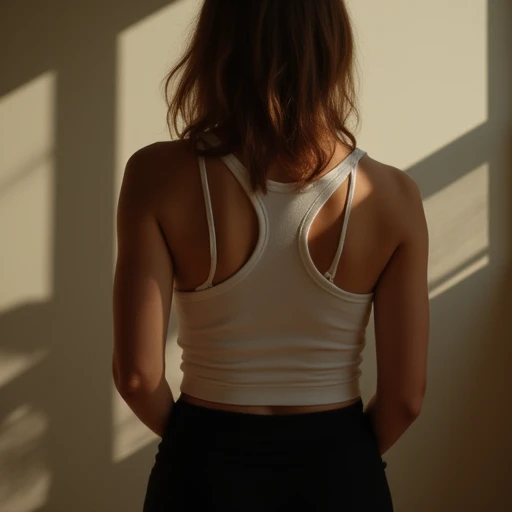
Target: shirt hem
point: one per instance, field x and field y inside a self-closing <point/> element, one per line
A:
<point x="277" y="395"/>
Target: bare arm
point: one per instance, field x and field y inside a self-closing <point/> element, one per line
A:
<point x="401" y="312"/>
<point x="142" y="297"/>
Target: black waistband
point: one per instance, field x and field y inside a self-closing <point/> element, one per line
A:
<point x="332" y="417"/>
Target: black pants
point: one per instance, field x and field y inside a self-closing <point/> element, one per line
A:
<point x="212" y="460"/>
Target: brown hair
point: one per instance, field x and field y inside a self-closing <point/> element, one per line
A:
<point x="275" y="75"/>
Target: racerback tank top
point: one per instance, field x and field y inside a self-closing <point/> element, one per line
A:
<point x="278" y="331"/>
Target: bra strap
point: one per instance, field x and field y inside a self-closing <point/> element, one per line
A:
<point x="352" y="186"/>
<point x="211" y="225"/>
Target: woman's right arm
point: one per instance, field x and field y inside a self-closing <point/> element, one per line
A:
<point x="401" y="314"/>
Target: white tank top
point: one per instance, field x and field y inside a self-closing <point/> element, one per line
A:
<point x="277" y="332"/>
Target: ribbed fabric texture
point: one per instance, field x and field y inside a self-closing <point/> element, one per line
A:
<point x="278" y="332"/>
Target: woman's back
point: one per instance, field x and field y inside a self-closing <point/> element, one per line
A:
<point x="382" y="213"/>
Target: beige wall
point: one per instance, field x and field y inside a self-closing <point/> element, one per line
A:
<point x="81" y="92"/>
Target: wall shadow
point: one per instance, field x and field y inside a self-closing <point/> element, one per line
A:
<point x="71" y="386"/>
<point x="457" y="456"/>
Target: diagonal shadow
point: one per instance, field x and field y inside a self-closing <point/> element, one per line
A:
<point x="452" y="162"/>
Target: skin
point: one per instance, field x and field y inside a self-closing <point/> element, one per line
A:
<point x="163" y="241"/>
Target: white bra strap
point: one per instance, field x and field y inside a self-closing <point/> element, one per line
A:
<point x="211" y="225"/>
<point x="352" y="186"/>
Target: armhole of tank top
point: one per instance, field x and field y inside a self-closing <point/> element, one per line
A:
<point x="211" y="225"/>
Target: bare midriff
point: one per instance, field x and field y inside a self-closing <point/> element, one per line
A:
<point x="265" y="409"/>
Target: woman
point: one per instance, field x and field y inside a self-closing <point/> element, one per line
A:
<point x="275" y="235"/>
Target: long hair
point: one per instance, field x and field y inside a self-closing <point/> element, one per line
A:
<point x="277" y="76"/>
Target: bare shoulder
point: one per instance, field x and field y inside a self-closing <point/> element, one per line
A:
<point x="160" y="158"/>
<point x="393" y="195"/>
<point x="389" y="183"/>
<point x="157" y="169"/>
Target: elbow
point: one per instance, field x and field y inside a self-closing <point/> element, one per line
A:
<point x="133" y="384"/>
<point x="407" y="407"/>
<point x="412" y="408"/>
<point x="130" y="385"/>
<point x="413" y="404"/>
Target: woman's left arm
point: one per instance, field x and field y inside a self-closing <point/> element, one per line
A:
<point x="142" y="296"/>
